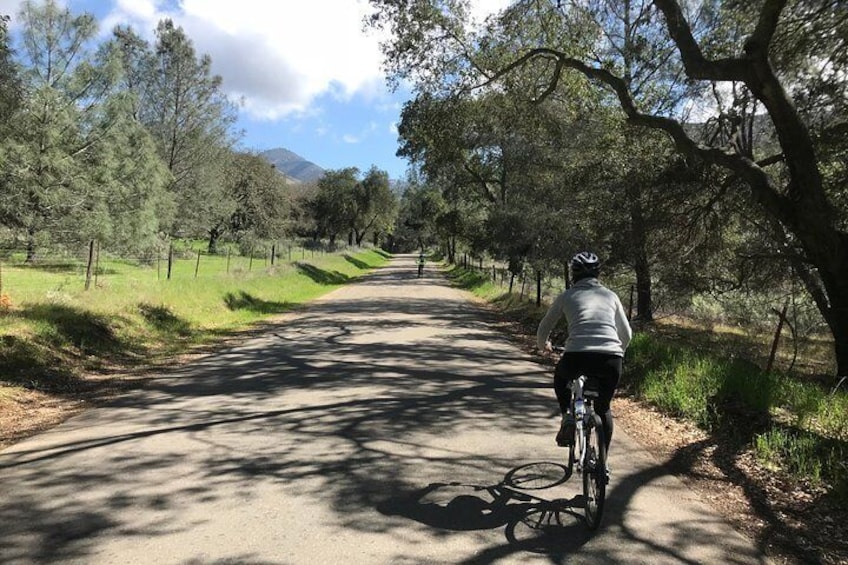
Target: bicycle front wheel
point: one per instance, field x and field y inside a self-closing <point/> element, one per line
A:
<point x="595" y="474"/>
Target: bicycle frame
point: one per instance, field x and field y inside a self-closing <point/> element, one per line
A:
<point x="583" y="411"/>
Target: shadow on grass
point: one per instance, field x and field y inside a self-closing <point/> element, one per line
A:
<point x="321" y="276"/>
<point x="65" y="326"/>
<point x="468" y="280"/>
<point x="359" y="264"/>
<point x="33" y="366"/>
<point x="383" y="253"/>
<point x="163" y="320"/>
<point x="65" y="340"/>
<point x="245" y="301"/>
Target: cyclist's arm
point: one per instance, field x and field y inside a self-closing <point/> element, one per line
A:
<point x="547" y="324"/>
<point x="622" y="325"/>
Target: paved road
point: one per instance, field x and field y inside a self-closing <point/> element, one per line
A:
<point x="385" y="424"/>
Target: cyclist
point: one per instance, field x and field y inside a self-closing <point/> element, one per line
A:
<point x="598" y="335"/>
<point x="420" y="264"/>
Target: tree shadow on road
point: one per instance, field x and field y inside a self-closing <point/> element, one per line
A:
<point x="339" y="406"/>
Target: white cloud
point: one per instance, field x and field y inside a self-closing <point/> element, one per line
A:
<point x="278" y="57"/>
<point x="352" y="139"/>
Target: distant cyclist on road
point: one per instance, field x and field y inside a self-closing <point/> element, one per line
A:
<point x="598" y="336"/>
<point x="420" y="264"/>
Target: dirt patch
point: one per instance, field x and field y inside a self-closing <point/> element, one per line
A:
<point x="24" y="413"/>
<point x="791" y="521"/>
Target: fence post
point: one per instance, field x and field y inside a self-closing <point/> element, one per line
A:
<point x="170" y="258"/>
<point x="197" y="265"/>
<point x="96" y="263"/>
<point x="273" y="253"/>
<point x="90" y="264"/>
<point x="229" y="253"/>
<point x="250" y="262"/>
<point x="494" y="275"/>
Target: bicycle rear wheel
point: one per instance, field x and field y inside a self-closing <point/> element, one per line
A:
<point x="595" y="474"/>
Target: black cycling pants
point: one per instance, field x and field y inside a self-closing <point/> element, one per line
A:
<point x="603" y="366"/>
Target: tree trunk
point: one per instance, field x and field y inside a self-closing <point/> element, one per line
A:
<point x="30" y="247"/>
<point x="538" y="288"/>
<point x="214" y="236"/>
<point x="833" y="270"/>
<point x="641" y="265"/>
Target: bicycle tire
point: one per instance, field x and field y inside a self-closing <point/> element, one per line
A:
<point x="537" y="476"/>
<point x="594" y="474"/>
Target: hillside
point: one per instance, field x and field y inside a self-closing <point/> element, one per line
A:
<point x="293" y="165"/>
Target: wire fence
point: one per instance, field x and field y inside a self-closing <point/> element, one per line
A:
<point x="89" y="266"/>
<point x="539" y="286"/>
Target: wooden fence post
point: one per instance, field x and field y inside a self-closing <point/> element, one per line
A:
<point x="96" y="263"/>
<point x="197" y="265"/>
<point x="90" y="264"/>
<point x="273" y="253"/>
<point x="170" y="258"/>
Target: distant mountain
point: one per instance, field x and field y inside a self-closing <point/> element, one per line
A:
<point x="293" y="165"/>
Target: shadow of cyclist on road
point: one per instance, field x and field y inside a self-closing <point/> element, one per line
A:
<point x="531" y="522"/>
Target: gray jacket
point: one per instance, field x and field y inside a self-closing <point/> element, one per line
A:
<point x="596" y="319"/>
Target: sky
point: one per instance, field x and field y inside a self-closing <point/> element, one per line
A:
<point x="306" y="73"/>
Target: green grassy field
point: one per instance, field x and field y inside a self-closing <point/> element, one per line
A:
<point x="55" y="332"/>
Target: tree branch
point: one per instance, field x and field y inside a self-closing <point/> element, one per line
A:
<point x="697" y="66"/>
<point x="757" y="45"/>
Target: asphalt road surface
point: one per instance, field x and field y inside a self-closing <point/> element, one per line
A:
<point x="389" y="422"/>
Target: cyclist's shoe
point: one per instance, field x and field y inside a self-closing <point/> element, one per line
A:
<point x="565" y="436"/>
<point x="607" y="474"/>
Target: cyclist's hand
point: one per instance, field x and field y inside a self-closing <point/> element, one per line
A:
<point x="548" y="347"/>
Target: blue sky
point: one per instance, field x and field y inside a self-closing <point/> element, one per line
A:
<point x="309" y="76"/>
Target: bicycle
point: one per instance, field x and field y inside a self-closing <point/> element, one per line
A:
<point x="587" y="448"/>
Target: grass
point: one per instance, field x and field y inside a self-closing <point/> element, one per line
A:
<point x="55" y="331"/>
<point x="792" y="422"/>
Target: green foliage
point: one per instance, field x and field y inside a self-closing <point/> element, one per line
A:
<point x="345" y="204"/>
<point x="806" y="431"/>
<point x="261" y="196"/>
<point x="805" y="455"/>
